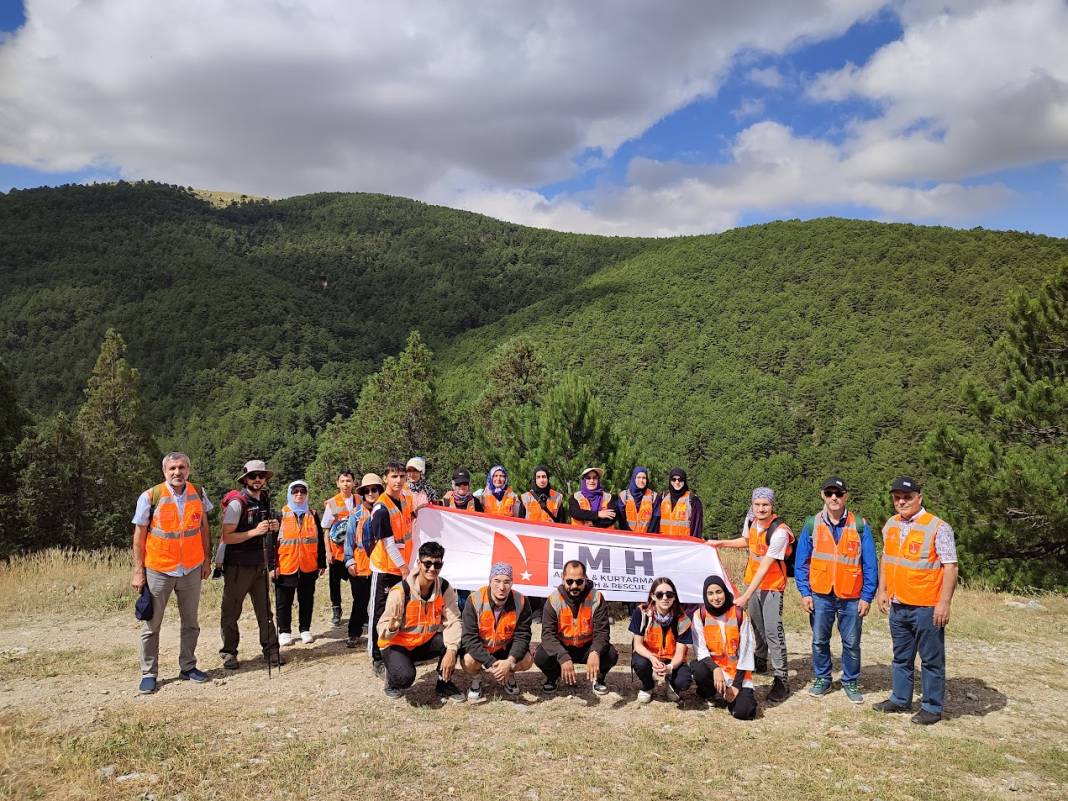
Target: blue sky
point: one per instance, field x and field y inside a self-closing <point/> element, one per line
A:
<point x="898" y="112"/>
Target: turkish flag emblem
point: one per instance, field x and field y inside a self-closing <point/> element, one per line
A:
<point x="528" y="556"/>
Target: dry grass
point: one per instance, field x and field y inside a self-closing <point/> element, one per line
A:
<point x="224" y="198"/>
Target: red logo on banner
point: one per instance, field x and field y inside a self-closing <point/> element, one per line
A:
<point x="528" y="556"/>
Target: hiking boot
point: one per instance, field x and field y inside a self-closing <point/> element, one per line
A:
<point x="193" y="675"/>
<point x="600" y="687"/>
<point x="890" y="706"/>
<point x="852" y="691"/>
<point x="285" y="638"/>
<point x="925" y="718"/>
<point x="760" y="665"/>
<point x="511" y="686"/>
<point x="335" y="619"/>
<point x="274" y="658"/>
<point x="379" y="668"/>
<point x="820" y="686"/>
<point x="669" y="691"/>
<point x="780" y="691"/>
<point x="394" y="693"/>
<point x="147" y="685"/>
<point x="644" y="696"/>
<point x="350" y="642"/>
<point x="549" y="686"/>
<point x="447" y="691"/>
<point x="307" y="637"/>
<point x="230" y="662"/>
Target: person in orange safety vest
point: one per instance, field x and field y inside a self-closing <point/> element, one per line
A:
<point x="300" y="559"/>
<point x="336" y="510"/>
<point x="723" y="639"/>
<point x="496" y="633"/>
<point x="662" y="638"/>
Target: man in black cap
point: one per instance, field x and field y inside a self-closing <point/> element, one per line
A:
<point x="917" y="577"/>
<point x="460" y="496"/>
<point x="837" y="574"/>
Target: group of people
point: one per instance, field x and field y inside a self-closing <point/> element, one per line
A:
<point x="412" y="615"/>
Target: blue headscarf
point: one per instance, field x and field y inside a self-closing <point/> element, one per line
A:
<point x="633" y="487"/>
<point x="301" y="508"/>
<point x="497" y="493"/>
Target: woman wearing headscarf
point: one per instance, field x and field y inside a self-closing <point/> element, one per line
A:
<point x="662" y="634"/>
<point x="300" y="559"/>
<point x="541" y="503"/>
<point x="591" y="505"/>
<point x="497" y="497"/>
<point x="681" y="512"/>
<point x="723" y="638"/>
<point x="638" y="507"/>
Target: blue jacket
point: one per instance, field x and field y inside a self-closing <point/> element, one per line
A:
<point x="359" y="514"/>
<point x="868" y="563"/>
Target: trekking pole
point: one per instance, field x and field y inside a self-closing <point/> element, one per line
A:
<point x="267" y="586"/>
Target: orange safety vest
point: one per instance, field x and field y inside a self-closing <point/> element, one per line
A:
<point x="534" y="510"/>
<point x="336" y="551"/>
<point x="836" y="568"/>
<point x="174" y="542"/>
<point x="298" y="543"/>
<point x="572" y="631"/>
<point x="723" y="645"/>
<point x="663" y="644"/>
<point x="400" y="521"/>
<point x="422" y="619"/>
<point x="775" y="578"/>
<point x="506" y="506"/>
<point x="606" y="503"/>
<point x="640" y="515"/>
<point x="912" y="570"/>
<point x="496" y="632"/>
<point x="675" y="522"/>
<point x="361" y="560"/>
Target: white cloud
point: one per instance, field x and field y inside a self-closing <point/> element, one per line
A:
<point x="768" y="77"/>
<point x="750" y="107"/>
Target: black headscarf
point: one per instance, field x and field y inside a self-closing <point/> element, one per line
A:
<point x="538" y="492"/>
<point x="677" y="493"/>
<point x="728" y="601"/>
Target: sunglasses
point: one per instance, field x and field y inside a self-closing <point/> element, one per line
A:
<point x="432" y="564"/>
<point x="676" y="480"/>
<point x="833" y="493"/>
<point x="299" y="491"/>
<point x="662" y="594"/>
<point x="574" y="582"/>
<point x="254" y="476"/>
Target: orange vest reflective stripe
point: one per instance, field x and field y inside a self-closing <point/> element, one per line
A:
<point x="298" y="543"/>
<point x="911" y="567"/>
<point x="640" y="515"/>
<point x="775" y="578"/>
<point x="723" y="643"/>
<point x="675" y="522"/>
<point x="172" y="542"/>
<point x="496" y="632"/>
<point x="573" y="631"/>
<point x="422" y="619"/>
<point x="336" y="551"/>
<point x="661" y="643"/>
<point x="606" y="503"/>
<point x="400" y="522"/>
<point x="506" y="506"/>
<point x="534" y="510"/>
<point x="836" y="568"/>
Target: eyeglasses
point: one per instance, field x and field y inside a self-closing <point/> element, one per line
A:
<point x="574" y="582"/>
<point x="299" y="491"/>
<point x="833" y="493"/>
<point x="677" y="480"/>
<point x="254" y="476"/>
<point x="662" y="594"/>
<point x="432" y="564"/>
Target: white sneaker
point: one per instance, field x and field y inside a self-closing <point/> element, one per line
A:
<point x="644" y="696"/>
<point x="307" y="637"/>
<point x="474" y="693"/>
<point x="285" y="638"/>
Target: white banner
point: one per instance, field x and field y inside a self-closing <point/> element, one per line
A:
<point x="621" y="564"/>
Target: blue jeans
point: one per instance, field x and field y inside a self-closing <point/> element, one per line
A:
<point x="825" y="609"/>
<point x="912" y="629"/>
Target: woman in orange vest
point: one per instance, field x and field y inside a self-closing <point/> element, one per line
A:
<point x="591" y="505"/>
<point x="498" y="498"/>
<point x="301" y="559"/>
<point x="460" y="496"/>
<point x="723" y="638"/>
<point x="681" y="511"/>
<point x="541" y="503"/>
<point x="661" y="637"/>
<point x="638" y="506"/>
<point x="357" y="554"/>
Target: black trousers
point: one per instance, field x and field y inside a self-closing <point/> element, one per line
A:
<point x="744" y="705"/>
<point x="240" y="581"/>
<point x="361" y="594"/>
<point x="381" y="584"/>
<point x="550" y="665"/>
<point x="643" y="668"/>
<point x="284" y="591"/>
<point x="401" y="662"/>
<point x="339" y="573"/>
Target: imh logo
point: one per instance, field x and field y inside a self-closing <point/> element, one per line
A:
<point x="604" y="559"/>
<point x="528" y="556"/>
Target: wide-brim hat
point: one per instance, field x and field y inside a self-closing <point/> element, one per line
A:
<point x="255" y="466"/>
<point x="598" y="470"/>
<point x="370" y="480"/>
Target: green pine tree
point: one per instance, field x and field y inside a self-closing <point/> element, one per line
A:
<point x="53" y="487"/>
<point x="13" y="423"/>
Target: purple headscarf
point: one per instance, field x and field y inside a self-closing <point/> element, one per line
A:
<point x="497" y="493"/>
<point x="594" y="496"/>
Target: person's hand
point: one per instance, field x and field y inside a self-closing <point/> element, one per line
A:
<point x="718" y="680"/>
<point x="205" y="572"/>
<point x="351" y="569"/>
<point x="593" y="666"/>
<point x="274" y="574"/>
<point x="659" y="668"/>
<point x="714" y="543"/>
<point x="883" y="601"/>
<point x="261" y="529"/>
<point x="448" y="662"/>
<point x="607" y="514"/>
<point x="137" y="579"/>
<point x="743" y="599"/>
<point x="730" y="693"/>
<point x="807" y="605"/>
<point x="501" y="670"/>
<point x="405" y="572"/>
<point x="863" y="607"/>
<point x="941" y="614"/>
<point x="567" y="672"/>
<point x="321" y="571"/>
<point x="273" y="525"/>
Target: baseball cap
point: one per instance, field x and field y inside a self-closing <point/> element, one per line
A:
<point x="905" y="484"/>
<point x="833" y="481"/>
<point x="461" y="476"/>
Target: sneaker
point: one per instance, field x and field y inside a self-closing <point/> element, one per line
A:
<point x="600" y="687"/>
<point x="925" y="718"/>
<point x="379" y="668"/>
<point x="669" y="691"/>
<point x="351" y="642"/>
<point x="890" y="706"/>
<point x="474" y="692"/>
<point x="852" y="691"/>
<point x="394" y="693"/>
<point x="511" y="686"/>
<point x="335" y="619"/>
<point x="193" y="675"/>
<point x="779" y="692"/>
<point x="644" y="696"/>
<point x="230" y="662"/>
<point x="147" y="685"/>
<point x="307" y="637"/>
<point x="760" y="665"/>
<point x="549" y="686"/>
<point x="285" y="638"/>
<point x="820" y="687"/>
<point x="448" y="691"/>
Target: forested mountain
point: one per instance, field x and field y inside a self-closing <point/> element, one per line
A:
<point x="773" y="354"/>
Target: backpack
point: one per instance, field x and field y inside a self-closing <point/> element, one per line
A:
<point x="220" y="549"/>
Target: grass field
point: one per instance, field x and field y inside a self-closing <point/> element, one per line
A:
<point x="73" y="727"/>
